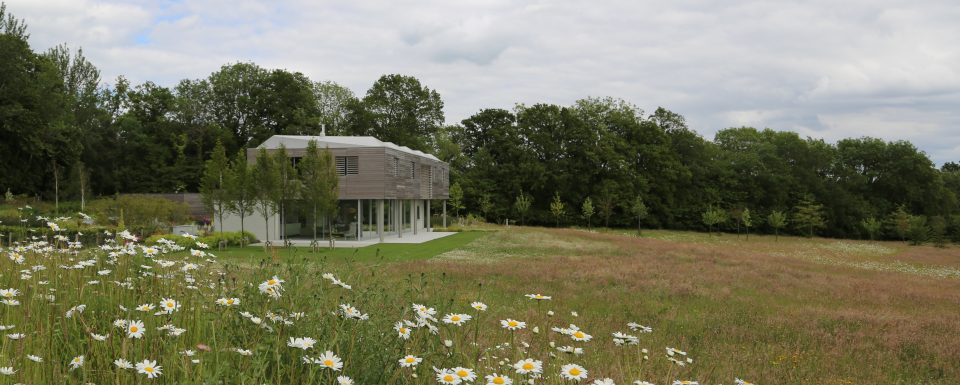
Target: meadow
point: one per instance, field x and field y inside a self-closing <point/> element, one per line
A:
<point x="663" y="308"/>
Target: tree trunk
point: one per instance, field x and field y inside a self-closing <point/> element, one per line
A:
<point x="56" y="188"/>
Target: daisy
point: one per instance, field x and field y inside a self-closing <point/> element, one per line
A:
<point x="135" y="329"/>
<point x="352" y="312"/>
<point x="738" y="381"/>
<point x="638" y="382"/>
<point x="465" y="374"/>
<point x="344" y="380"/>
<point x="512" y="324"/>
<point x="169" y="305"/>
<point x="447" y="376"/>
<point x="146" y="307"/>
<point x="243" y="352"/>
<point x="573" y="372"/>
<point x="496" y="379"/>
<point x="605" y="381"/>
<point x="402" y="330"/>
<point x="410" y="361"/>
<point x="639" y="328"/>
<point x="539" y="297"/>
<point x="9" y="293"/>
<point x="7" y="370"/>
<point x="150" y="368"/>
<point x="34" y="358"/>
<point x="301" y="343"/>
<point x="99" y="337"/>
<point x="272" y="287"/>
<point x="578" y="335"/>
<point x="329" y="360"/>
<point x="228" y="301"/>
<point x="456" y="319"/>
<point x="480" y="306"/>
<point x="10" y="302"/>
<point x="76" y="362"/>
<point x="16" y="336"/>
<point x="528" y="366"/>
<point x="685" y="382"/>
<point x="424" y="312"/>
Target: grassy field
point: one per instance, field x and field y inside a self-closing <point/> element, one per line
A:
<point x="769" y="311"/>
<point x="785" y="310"/>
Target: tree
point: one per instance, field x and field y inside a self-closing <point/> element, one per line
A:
<point x="899" y="221"/>
<point x="456" y="199"/>
<point x="639" y="210"/>
<point x="557" y="208"/>
<point x="587" y="210"/>
<point x="399" y="109"/>
<point x="919" y="232"/>
<point x="485" y="205"/>
<point x="242" y="196"/>
<point x="938" y="231"/>
<point x="872" y="226"/>
<point x="214" y="185"/>
<point x="712" y="217"/>
<point x="333" y="101"/>
<point x="320" y="183"/>
<point x="747" y="220"/>
<point x="606" y="204"/>
<point x="522" y="204"/>
<point x="777" y="220"/>
<point x="808" y="215"/>
<point x="266" y="189"/>
<point x="79" y="183"/>
<point x="289" y="185"/>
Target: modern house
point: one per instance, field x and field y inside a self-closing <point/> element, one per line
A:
<point x="386" y="190"/>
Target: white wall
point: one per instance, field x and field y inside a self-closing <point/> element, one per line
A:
<point x="252" y="223"/>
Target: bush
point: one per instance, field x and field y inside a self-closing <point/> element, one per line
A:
<point x="140" y="213"/>
<point x="232" y="238"/>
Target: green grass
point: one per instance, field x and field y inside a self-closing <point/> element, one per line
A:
<point x="384" y="252"/>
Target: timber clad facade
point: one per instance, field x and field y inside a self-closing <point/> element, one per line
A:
<point x="385" y="190"/>
<point x="377" y="177"/>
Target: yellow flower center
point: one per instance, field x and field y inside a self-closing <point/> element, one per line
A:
<point x="403" y="330"/>
<point x="455" y="318"/>
<point x="498" y="380"/>
<point x="148" y="369"/>
<point x="272" y="282"/>
<point x="512" y="324"/>
<point x="462" y="373"/>
<point x="410" y="360"/>
<point x="574" y="372"/>
<point x="448" y="378"/>
<point x="229" y="302"/>
<point x="133" y="329"/>
<point x="578" y="334"/>
<point x="328" y="362"/>
<point x="528" y="366"/>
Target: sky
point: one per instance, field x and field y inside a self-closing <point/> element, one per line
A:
<point x="827" y="69"/>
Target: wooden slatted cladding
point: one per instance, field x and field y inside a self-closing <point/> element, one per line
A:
<point x="382" y="173"/>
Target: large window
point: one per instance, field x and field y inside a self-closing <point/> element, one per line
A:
<point x="348" y="165"/>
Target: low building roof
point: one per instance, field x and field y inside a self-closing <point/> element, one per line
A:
<point x="301" y="141"/>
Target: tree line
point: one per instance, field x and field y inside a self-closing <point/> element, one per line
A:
<point x="64" y="134"/>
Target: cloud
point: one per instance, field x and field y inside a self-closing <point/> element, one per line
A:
<point x="886" y="68"/>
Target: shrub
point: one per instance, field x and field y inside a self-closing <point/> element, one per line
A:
<point x="232" y="238"/>
<point x="140" y="213"/>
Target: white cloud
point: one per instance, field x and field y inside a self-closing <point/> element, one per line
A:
<point x="885" y="68"/>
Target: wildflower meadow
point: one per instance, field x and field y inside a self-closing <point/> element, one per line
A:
<point x="125" y="312"/>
